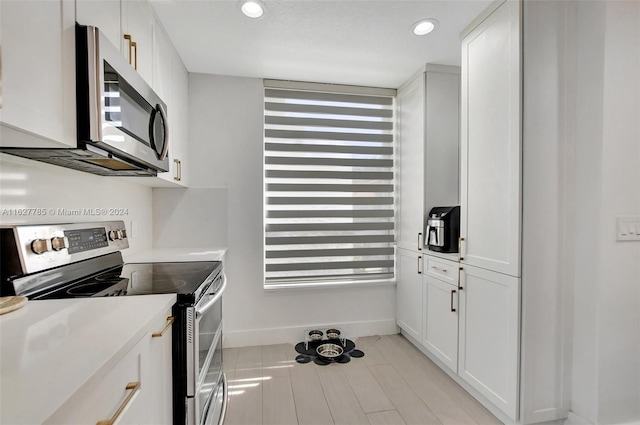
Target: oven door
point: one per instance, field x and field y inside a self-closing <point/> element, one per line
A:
<point x="204" y="350"/>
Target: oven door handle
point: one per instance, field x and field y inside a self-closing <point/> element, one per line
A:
<point x="201" y="309"/>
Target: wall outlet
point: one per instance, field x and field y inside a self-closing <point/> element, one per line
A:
<point x="628" y="228"/>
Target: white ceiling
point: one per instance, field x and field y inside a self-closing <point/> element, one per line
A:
<point x="356" y="42"/>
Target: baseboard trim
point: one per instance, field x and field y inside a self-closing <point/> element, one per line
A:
<point x="294" y="334"/>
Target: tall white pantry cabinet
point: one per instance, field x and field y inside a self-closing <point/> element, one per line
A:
<point x="473" y="323"/>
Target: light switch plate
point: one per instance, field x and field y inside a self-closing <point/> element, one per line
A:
<point x="628" y="228"/>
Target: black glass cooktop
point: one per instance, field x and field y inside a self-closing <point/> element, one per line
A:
<point x="141" y="279"/>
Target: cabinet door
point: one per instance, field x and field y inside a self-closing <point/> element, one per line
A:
<point x="104" y="14"/>
<point x="160" y="373"/>
<point x="491" y="145"/>
<point x="441" y="321"/>
<point x="409" y="293"/>
<point x="410" y="165"/>
<point x="180" y="119"/>
<point x="38" y="72"/>
<point x="490" y="335"/>
<point x="138" y="22"/>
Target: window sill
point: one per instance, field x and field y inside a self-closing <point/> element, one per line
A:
<point x="330" y="285"/>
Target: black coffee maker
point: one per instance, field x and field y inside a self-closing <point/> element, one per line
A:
<point x="443" y="229"/>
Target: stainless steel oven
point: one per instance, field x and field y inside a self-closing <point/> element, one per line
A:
<point x="84" y="260"/>
<point x="206" y="385"/>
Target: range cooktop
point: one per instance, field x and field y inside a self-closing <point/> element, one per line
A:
<point x="141" y="279"/>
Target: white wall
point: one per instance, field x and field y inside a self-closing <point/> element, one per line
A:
<point x="606" y="337"/>
<point x="30" y="184"/>
<point x="226" y="142"/>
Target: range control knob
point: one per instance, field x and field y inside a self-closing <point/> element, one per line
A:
<point x="40" y="246"/>
<point x="114" y="235"/>
<point x="59" y="243"/>
<point x="123" y="233"/>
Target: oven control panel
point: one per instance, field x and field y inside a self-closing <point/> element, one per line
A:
<point x="41" y="247"/>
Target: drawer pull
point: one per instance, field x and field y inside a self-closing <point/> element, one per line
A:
<point x="170" y="321"/>
<point x="443" y="270"/>
<point x="453" y="291"/>
<point x="131" y="386"/>
<point x="419" y="261"/>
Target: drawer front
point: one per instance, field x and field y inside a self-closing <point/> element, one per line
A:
<point x="446" y="271"/>
<point x="100" y="399"/>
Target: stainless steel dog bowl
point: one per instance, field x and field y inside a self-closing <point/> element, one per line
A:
<point x="329" y="351"/>
<point x="315" y="335"/>
<point x="333" y="333"/>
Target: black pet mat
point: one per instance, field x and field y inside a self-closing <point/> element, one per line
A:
<point x="308" y="351"/>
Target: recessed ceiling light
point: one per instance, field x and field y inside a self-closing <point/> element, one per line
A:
<point x="424" y="27"/>
<point x="252" y="9"/>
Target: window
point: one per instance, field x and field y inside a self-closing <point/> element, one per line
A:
<point x="329" y="195"/>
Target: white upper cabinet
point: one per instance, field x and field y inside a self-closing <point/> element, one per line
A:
<point x="104" y="14"/>
<point x="491" y="142"/>
<point x="138" y="27"/>
<point x="38" y="73"/>
<point x="427" y="150"/>
<point x="410" y="165"/>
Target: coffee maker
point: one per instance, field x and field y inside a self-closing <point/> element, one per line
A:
<point x="443" y="229"/>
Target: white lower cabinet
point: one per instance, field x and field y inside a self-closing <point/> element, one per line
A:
<point x="489" y="336"/>
<point x="441" y="321"/>
<point x="136" y="390"/>
<point x="409" y="301"/>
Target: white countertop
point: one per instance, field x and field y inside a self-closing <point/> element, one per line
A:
<point x="168" y="255"/>
<point x="50" y="348"/>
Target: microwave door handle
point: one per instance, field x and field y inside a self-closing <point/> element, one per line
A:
<point x="165" y="125"/>
<point x="200" y="310"/>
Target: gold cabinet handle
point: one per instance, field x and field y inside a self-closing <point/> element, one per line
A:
<point x="135" y="56"/>
<point x="460" y="240"/>
<point x="460" y="288"/>
<point x="130" y="40"/>
<point x="170" y="321"/>
<point x="419" y="244"/>
<point x="131" y="386"/>
<point x="419" y="261"/>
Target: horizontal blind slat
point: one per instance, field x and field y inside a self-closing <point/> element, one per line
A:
<point x="330" y="265"/>
<point x="350" y="252"/>
<point x="328" y="135"/>
<point x="298" y="200"/>
<point x="283" y="187"/>
<point x="292" y="147"/>
<point x="327" y="110"/>
<point x="342" y="162"/>
<point x="347" y="175"/>
<point x="314" y="240"/>
<point x="297" y="227"/>
<point x="329" y="213"/>
<point x="329" y="123"/>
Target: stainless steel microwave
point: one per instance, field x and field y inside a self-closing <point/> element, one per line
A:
<point x="122" y="124"/>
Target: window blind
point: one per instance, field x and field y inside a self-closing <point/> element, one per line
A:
<point x="329" y="184"/>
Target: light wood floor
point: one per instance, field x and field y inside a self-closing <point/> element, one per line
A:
<point x="393" y="384"/>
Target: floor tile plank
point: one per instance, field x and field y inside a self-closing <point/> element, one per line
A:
<point x="371" y="397"/>
<point x="388" y="417"/>
<point x="440" y="403"/>
<point x="343" y="403"/>
<point x="407" y="403"/>
<point x="278" y="406"/>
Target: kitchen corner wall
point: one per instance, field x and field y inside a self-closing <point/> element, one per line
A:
<point x="226" y="145"/>
<point x="68" y="196"/>
<point x="606" y="336"/>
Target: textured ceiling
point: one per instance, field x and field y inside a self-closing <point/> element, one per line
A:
<point x="349" y="42"/>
